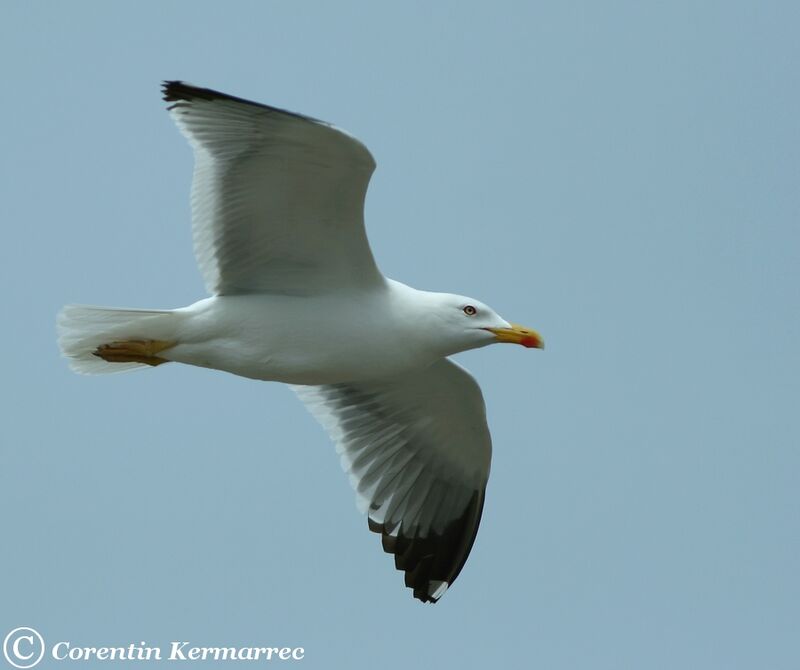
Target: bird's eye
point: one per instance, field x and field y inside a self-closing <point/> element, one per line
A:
<point x="469" y="310"/>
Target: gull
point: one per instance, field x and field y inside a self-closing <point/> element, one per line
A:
<point x="296" y="297"/>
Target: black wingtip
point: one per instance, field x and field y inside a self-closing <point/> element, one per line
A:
<point x="431" y="564"/>
<point x="169" y="89"/>
<point x="176" y="92"/>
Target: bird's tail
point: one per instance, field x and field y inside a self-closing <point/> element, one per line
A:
<point x="93" y="338"/>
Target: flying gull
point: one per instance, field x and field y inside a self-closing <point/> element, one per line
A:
<point x="296" y="297"/>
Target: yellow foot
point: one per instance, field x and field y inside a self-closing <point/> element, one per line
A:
<point x="133" y="351"/>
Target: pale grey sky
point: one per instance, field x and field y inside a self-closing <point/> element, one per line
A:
<point x="622" y="176"/>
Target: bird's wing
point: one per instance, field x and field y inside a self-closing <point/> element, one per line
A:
<point x="417" y="449"/>
<point x="277" y="198"/>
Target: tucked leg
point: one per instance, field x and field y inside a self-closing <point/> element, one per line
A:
<point x="134" y="351"/>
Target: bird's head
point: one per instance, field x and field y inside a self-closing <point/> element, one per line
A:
<point x="467" y="323"/>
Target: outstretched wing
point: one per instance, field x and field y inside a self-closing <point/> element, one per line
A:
<point x="277" y="198"/>
<point x="418" y="450"/>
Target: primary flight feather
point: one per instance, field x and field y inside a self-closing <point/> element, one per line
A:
<point x="278" y="229"/>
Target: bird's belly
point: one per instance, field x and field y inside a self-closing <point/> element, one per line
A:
<point x="269" y="342"/>
<point x="293" y="365"/>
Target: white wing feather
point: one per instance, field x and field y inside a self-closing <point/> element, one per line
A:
<point x="418" y="450"/>
<point x="277" y="198"/>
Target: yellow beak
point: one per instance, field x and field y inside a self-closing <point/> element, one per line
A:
<point x="517" y="334"/>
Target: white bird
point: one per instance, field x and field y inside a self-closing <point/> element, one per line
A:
<point x="278" y="226"/>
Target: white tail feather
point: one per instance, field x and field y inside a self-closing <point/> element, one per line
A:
<point x="83" y="328"/>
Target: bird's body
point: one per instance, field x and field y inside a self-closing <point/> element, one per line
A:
<point x="296" y="297"/>
<point x="321" y="339"/>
